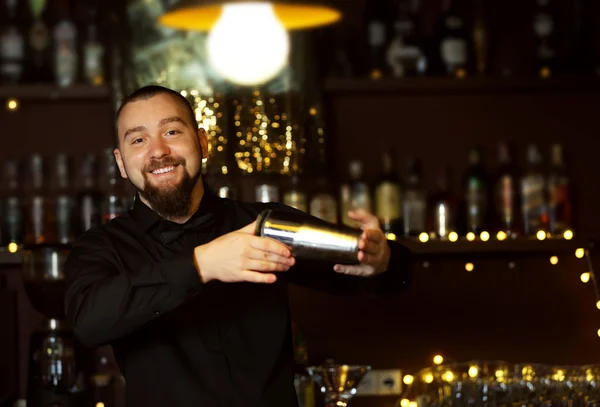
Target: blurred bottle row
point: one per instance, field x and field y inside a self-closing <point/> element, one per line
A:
<point x="54" y="205"/>
<point x="464" y="39"/>
<point x="517" y="202"/>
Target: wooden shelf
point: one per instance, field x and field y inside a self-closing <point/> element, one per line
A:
<point x="474" y="85"/>
<point x="45" y="92"/>
<point x="494" y="249"/>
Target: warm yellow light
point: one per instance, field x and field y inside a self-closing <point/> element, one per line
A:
<point x="413" y="404"/>
<point x="428" y="378"/>
<point x="470" y="236"/>
<point x="12" y="247"/>
<point x="293" y="16"/>
<point x="453" y="236"/>
<point x="485" y="236"/>
<point x="568" y="234"/>
<point x="423" y="237"/>
<point x="585" y="277"/>
<point x="554" y="260"/>
<point x="501" y="235"/>
<point x="541" y="235"/>
<point x="469" y="267"/>
<point x="404" y="403"/>
<point x="598" y="305"/>
<point x="448" y="376"/>
<point x="100" y="404"/>
<point x="391" y="236"/>
<point x="438" y="359"/>
<point x="408" y="379"/>
<point x="579" y="253"/>
<point x="598" y="332"/>
<point x="12" y="104"/>
<point x="473" y="371"/>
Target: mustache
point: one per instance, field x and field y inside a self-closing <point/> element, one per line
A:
<point x="166" y="162"/>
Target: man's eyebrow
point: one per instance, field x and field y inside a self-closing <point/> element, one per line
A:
<point x="133" y="130"/>
<point x="171" y="120"/>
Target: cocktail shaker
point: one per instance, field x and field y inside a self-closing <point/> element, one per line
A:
<point x="308" y="238"/>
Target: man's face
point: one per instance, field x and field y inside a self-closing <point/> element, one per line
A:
<point x="161" y="152"/>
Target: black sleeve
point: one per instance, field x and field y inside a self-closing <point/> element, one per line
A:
<point x="104" y="302"/>
<point x="320" y="275"/>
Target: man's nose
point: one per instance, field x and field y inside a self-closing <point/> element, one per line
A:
<point x="159" y="148"/>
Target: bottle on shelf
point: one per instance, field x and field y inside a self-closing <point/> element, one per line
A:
<point x="323" y="204"/>
<point x="480" y="38"/>
<point x="94" y="52"/>
<point x="356" y="194"/>
<point x="405" y="55"/>
<point x="454" y="40"/>
<point x="12" y="41"/>
<point x="559" y="195"/>
<point x="89" y="198"/>
<point x="295" y="196"/>
<point x="13" y="225"/>
<point x="534" y="205"/>
<point x="377" y="38"/>
<point x="506" y="193"/>
<point x="414" y="203"/>
<point x="66" y="54"/>
<point x="442" y="213"/>
<point x="64" y="203"/>
<point x="114" y="202"/>
<point x="40" y="60"/>
<point x="544" y="31"/>
<point x="388" y="197"/>
<point x="37" y="229"/>
<point x="476" y="193"/>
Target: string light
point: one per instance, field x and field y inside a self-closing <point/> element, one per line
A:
<point x="579" y="253"/>
<point x="568" y="235"/>
<point x="470" y="236"/>
<point x="12" y="104"/>
<point x="485" y="236"/>
<point x="554" y="260"/>
<point x="390" y="236"/>
<point x="585" y="277"/>
<point x="12" y="247"/>
<point x="453" y="236"/>
<point x="469" y="267"/>
<point x="404" y="403"/>
<point x="423" y="237"/>
<point x="541" y="235"/>
<point x="438" y="359"/>
<point x="408" y="379"/>
<point x="501" y="235"/>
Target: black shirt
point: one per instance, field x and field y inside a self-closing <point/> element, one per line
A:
<point x="179" y="342"/>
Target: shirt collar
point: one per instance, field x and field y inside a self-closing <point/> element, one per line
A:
<point x="145" y="217"/>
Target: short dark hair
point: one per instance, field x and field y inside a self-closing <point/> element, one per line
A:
<point x="148" y="92"/>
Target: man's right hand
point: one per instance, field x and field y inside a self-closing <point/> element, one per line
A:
<point x="241" y="256"/>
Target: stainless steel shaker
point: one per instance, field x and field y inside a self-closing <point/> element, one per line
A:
<point x="309" y="238"/>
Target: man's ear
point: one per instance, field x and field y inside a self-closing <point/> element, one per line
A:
<point x="119" y="160"/>
<point x="203" y="137"/>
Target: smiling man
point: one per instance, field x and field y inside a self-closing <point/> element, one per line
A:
<point x="193" y="304"/>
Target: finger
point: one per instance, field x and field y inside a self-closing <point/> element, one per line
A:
<point x="369" y="247"/>
<point x="352" y="270"/>
<point x="255" y="277"/>
<point x="250" y="228"/>
<point x="257" y="254"/>
<point x="270" y="245"/>
<point x="366" y="258"/>
<point x="367" y="219"/>
<point x="374" y="235"/>
<point x="262" y="265"/>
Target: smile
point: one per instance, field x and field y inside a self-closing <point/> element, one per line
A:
<point x="163" y="170"/>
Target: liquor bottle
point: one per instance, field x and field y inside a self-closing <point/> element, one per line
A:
<point x="415" y="203"/>
<point x="12" y="42"/>
<point x="544" y="31"/>
<point x="405" y="56"/>
<point x="40" y="61"/>
<point x="443" y="207"/>
<point x="267" y="192"/>
<point x="476" y="190"/>
<point x="66" y="55"/>
<point x="113" y="203"/>
<point x="295" y="197"/>
<point x="388" y="197"/>
<point x="13" y="224"/>
<point x="480" y="38"/>
<point x="559" y="195"/>
<point x="93" y="62"/>
<point x="64" y="204"/>
<point x="303" y="382"/>
<point x="377" y="38"/>
<point x="506" y="193"/>
<point x="37" y="216"/>
<point x="356" y="194"/>
<point x="534" y="205"/>
<point x="89" y="198"/>
<point x="453" y="35"/>
<point x="323" y="204"/>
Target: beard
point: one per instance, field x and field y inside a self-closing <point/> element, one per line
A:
<point x="169" y="200"/>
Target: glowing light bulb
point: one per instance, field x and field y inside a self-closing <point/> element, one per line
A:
<point x="485" y="236"/>
<point x="391" y="236"/>
<point x="408" y="379"/>
<point x="579" y="253"/>
<point x="423" y="237"/>
<point x="12" y="104"/>
<point x="568" y="235"/>
<point x="428" y="378"/>
<point x="598" y="332"/>
<point x="438" y="359"/>
<point x="469" y="267"/>
<point x="501" y="235"/>
<point x="404" y="403"/>
<point x="473" y="371"/>
<point x="541" y="235"/>
<point x="453" y="236"/>
<point x="554" y="260"/>
<point x="248" y="45"/>
<point x="585" y="277"/>
<point x="598" y="305"/>
<point x="12" y="247"/>
<point x="412" y="404"/>
<point x="470" y="236"/>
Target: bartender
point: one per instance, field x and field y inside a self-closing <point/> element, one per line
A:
<point x="194" y="306"/>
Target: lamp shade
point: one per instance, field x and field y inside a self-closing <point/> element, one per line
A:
<point x="201" y="15"/>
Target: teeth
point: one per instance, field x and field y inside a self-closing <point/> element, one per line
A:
<point x="163" y="170"/>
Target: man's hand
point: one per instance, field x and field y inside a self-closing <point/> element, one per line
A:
<point x="374" y="252"/>
<point x="241" y="256"/>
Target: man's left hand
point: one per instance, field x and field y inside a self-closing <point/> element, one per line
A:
<point x="374" y="252"/>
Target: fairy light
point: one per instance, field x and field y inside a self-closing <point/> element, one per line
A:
<point x="585" y="277"/>
<point x="408" y="380"/>
<point x="485" y="236"/>
<point x="390" y="236"/>
<point x="404" y="403"/>
<point x="469" y="267"/>
<point x="579" y="253"/>
<point x="428" y="378"/>
<point x="501" y="235"/>
<point x="12" y="247"/>
<point x="568" y="235"/>
<point x="554" y="260"/>
<point x="12" y="104"/>
<point x="541" y="235"/>
<point x="423" y="237"/>
<point x="471" y="236"/>
<point x="453" y="236"/>
<point x="438" y="359"/>
<point x="473" y="371"/>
